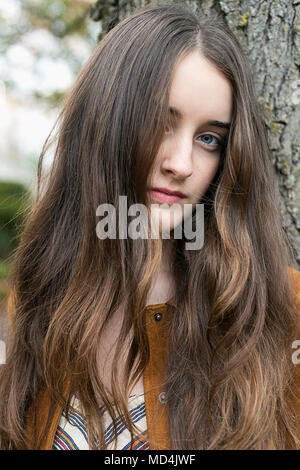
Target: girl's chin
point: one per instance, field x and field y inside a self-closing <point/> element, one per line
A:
<point x="164" y="221"/>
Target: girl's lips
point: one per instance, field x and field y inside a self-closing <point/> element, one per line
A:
<point x="164" y="197"/>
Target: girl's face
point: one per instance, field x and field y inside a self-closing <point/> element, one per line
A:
<point x="200" y="109"/>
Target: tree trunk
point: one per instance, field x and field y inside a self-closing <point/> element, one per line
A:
<point x="269" y="31"/>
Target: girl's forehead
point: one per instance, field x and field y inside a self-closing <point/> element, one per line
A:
<point x="198" y="87"/>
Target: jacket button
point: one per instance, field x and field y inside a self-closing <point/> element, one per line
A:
<point x="162" y="397"/>
<point x="157" y="316"/>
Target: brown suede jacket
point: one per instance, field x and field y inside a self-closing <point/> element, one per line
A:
<point x="157" y="323"/>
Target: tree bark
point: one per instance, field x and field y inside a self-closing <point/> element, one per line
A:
<point x="269" y="31"/>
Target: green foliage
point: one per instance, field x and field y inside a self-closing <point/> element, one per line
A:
<point x="54" y="99"/>
<point x="66" y="21"/>
<point x="4" y="269"/>
<point x="14" y="201"/>
<point x="61" y="17"/>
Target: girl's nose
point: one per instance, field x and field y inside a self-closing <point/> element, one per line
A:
<point x="178" y="157"/>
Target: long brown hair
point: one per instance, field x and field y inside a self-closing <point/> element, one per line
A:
<point x="229" y="370"/>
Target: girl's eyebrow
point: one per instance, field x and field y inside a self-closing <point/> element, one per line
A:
<point x="177" y="114"/>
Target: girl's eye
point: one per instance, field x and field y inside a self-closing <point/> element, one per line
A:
<point x="207" y="139"/>
<point x="210" y="140"/>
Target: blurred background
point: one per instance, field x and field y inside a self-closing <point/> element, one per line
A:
<point x="44" y="44"/>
